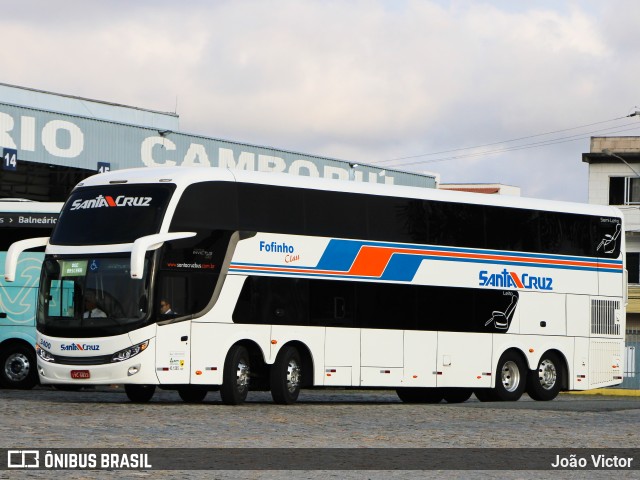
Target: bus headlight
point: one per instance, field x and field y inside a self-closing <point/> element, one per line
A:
<point x="129" y="352"/>
<point x="44" y="355"/>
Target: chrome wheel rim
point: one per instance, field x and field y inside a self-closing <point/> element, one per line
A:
<point x="294" y="376"/>
<point x="510" y="376"/>
<point x="547" y="374"/>
<point x="17" y="366"/>
<point x="242" y="375"/>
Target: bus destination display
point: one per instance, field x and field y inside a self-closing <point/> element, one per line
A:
<point x="27" y="219"/>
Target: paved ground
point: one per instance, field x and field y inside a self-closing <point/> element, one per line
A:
<point x="103" y="418"/>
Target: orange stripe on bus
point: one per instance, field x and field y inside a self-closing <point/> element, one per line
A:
<point x="371" y="261"/>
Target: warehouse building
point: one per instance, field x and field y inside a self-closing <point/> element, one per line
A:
<point x="49" y="142"/>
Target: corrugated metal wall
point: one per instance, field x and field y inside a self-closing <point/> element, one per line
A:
<point x="75" y="141"/>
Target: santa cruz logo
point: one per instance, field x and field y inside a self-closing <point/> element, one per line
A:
<point x="79" y="347"/>
<point x="108" y="201"/>
<point x="506" y="279"/>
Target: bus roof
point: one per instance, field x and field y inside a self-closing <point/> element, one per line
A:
<point x="20" y="205"/>
<point x="184" y="176"/>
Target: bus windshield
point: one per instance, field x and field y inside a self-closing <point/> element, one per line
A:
<point x="92" y="296"/>
<point x="111" y="214"/>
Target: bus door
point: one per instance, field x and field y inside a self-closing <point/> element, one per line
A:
<point x="173" y="352"/>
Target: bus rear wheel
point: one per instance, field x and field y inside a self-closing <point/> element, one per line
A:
<point x="139" y="393"/>
<point x="545" y="382"/>
<point x="18" y="367"/>
<point x="192" y="393"/>
<point x="486" y="395"/>
<point x="286" y="376"/>
<point x="420" y="394"/>
<point x="235" y="378"/>
<point x="456" y="395"/>
<point x="510" y="377"/>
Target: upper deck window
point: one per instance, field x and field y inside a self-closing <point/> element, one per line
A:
<point x="111" y="214"/>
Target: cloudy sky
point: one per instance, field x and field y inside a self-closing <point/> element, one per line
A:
<point x="476" y="91"/>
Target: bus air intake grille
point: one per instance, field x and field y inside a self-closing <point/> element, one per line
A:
<point x="95" y="360"/>
<point x="603" y="317"/>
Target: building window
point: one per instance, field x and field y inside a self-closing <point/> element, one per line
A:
<point x="633" y="267"/>
<point x="624" y="190"/>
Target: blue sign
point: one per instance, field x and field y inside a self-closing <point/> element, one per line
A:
<point x="9" y="159"/>
<point x="104" y="167"/>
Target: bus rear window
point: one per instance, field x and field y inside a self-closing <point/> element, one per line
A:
<point x="111" y="214"/>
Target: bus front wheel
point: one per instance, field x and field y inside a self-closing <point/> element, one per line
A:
<point x="545" y="382"/>
<point x="235" y="378"/>
<point x="286" y="376"/>
<point x="139" y="393"/>
<point x="18" y="367"/>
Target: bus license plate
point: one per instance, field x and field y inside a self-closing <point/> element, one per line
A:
<point x="80" y="374"/>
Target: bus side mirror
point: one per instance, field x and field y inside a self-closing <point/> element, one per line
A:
<point x="151" y="242"/>
<point x="11" y="260"/>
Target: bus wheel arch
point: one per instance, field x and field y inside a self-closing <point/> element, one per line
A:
<point x="549" y="377"/>
<point x="18" y="367"/>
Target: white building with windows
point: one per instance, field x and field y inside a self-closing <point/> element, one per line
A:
<point x="614" y="179"/>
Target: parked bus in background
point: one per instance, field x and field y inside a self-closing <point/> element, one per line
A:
<point x="21" y="219"/>
<point x="278" y="283"/>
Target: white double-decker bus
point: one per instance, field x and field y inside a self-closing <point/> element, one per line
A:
<point x="205" y="279"/>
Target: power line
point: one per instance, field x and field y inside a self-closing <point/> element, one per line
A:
<point x="544" y="143"/>
<point x="553" y="141"/>
<point x="635" y="113"/>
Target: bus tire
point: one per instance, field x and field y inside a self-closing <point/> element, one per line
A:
<point x="139" y="393"/>
<point x="286" y="376"/>
<point x="18" y="367"/>
<point x="192" y="393"/>
<point x="456" y="395"/>
<point x="545" y="382"/>
<point x="235" y="378"/>
<point x="511" y="377"/>
<point x="486" y="395"/>
<point x="420" y="394"/>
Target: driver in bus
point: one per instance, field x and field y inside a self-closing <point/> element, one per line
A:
<point x="91" y="309"/>
<point x="165" y="308"/>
